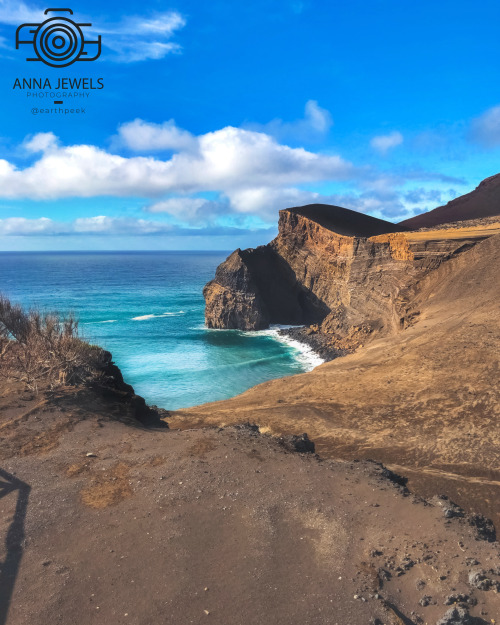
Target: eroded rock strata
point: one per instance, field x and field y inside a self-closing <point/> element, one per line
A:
<point x="347" y="275"/>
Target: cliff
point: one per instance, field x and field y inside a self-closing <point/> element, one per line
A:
<point x="346" y="274"/>
<point x="424" y="399"/>
<point x="483" y="202"/>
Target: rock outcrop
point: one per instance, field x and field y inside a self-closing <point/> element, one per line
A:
<point x="346" y="273"/>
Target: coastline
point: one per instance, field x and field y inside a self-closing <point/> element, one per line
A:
<point x="316" y="342"/>
<point x="309" y="354"/>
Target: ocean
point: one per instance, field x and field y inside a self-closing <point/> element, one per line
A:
<point x="147" y="308"/>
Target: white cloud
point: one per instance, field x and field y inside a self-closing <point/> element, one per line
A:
<point x="384" y="143"/>
<point x="140" y="38"/>
<point x="315" y="124"/>
<point x="141" y="136"/>
<point x="20" y="226"/>
<point x="103" y="225"/>
<point x="134" y="38"/>
<point x="253" y="200"/>
<point x="225" y="161"/>
<point x="485" y="129"/>
<point x="16" y="13"/>
<point x="41" y="142"/>
<point x="192" y="210"/>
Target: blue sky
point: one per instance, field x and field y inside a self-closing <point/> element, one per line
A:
<point x="216" y="115"/>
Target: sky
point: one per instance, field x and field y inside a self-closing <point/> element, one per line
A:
<point x="216" y="115"/>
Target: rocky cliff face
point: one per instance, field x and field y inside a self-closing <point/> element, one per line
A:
<point x="342" y="284"/>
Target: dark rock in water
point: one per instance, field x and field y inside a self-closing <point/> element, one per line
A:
<point x="483" y="528"/>
<point x="301" y="444"/>
<point x="456" y="616"/>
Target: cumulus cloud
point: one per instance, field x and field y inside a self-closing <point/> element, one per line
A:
<point x="315" y="124"/>
<point x="142" y="136"/>
<point x="384" y="143"/>
<point x="485" y="129"/>
<point x="248" y="176"/>
<point x="224" y="161"/>
<point x="41" y="142"/>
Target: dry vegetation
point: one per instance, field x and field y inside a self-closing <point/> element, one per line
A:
<point x="44" y="348"/>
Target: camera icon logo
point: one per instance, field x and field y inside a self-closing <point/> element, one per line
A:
<point x="59" y="41"/>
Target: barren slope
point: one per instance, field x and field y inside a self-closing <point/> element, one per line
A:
<point x="425" y="399"/>
<point x="484" y="201"/>
<point x="212" y="526"/>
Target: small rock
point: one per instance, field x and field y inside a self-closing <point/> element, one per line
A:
<point x="384" y="574"/>
<point x="301" y="444"/>
<point x="425" y="601"/>
<point x="91" y="455"/>
<point x="375" y="552"/>
<point x="206" y="612"/>
<point x="478" y="579"/>
<point x="483" y="528"/>
<point x="456" y="598"/>
<point x="456" y="616"/>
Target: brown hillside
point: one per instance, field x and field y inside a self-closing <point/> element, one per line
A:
<point x="484" y="201"/>
<point x="425" y="399"/>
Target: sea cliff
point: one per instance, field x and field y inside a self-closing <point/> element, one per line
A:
<point x="345" y="275"/>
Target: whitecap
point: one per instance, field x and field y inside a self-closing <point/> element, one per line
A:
<point x="305" y="354"/>
<point x="153" y="316"/>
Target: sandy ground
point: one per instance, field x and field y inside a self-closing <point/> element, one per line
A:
<point x="215" y="526"/>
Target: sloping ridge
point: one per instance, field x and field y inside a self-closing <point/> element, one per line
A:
<point x="344" y="221"/>
<point x="483" y="202"/>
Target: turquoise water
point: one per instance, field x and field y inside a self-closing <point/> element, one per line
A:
<point x="147" y="309"/>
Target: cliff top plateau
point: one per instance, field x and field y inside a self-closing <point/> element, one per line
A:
<point x="344" y="221"/>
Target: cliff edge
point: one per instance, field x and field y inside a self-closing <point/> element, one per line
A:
<point x="346" y="275"/>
